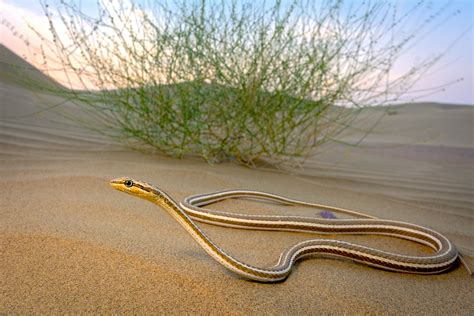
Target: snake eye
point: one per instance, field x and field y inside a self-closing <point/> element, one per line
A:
<point x="128" y="183"/>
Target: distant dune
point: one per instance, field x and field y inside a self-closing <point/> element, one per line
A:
<point x="13" y="67"/>
<point x="71" y="244"/>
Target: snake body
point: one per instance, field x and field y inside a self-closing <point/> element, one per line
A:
<point x="191" y="208"/>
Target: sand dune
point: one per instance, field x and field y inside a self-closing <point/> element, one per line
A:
<point x="70" y="243"/>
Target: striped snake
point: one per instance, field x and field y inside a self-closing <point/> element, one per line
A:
<point x="191" y="208"/>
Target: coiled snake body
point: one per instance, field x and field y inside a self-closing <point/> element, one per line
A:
<point x="191" y="208"/>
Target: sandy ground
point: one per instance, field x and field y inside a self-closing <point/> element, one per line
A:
<point x="70" y="243"/>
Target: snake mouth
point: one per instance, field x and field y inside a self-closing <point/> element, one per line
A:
<point x="118" y="183"/>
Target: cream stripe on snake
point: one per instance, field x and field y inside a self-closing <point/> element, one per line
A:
<point x="192" y="208"/>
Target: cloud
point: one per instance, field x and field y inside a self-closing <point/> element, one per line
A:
<point x="17" y="24"/>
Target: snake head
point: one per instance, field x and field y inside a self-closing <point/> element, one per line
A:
<point x="133" y="187"/>
<point x="124" y="184"/>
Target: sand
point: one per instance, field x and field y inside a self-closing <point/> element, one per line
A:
<point x="70" y="243"/>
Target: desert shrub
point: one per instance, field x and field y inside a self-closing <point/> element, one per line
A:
<point x="244" y="80"/>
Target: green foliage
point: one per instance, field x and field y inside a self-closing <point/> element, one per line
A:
<point x="231" y="79"/>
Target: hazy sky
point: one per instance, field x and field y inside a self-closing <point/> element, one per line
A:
<point x="457" y="64"/>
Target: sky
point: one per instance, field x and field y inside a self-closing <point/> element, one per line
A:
<point x="456" y="66"/>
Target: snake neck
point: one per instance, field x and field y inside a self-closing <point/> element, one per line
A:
<point x="164" y="201"/>
<point x="167" y="203"/>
